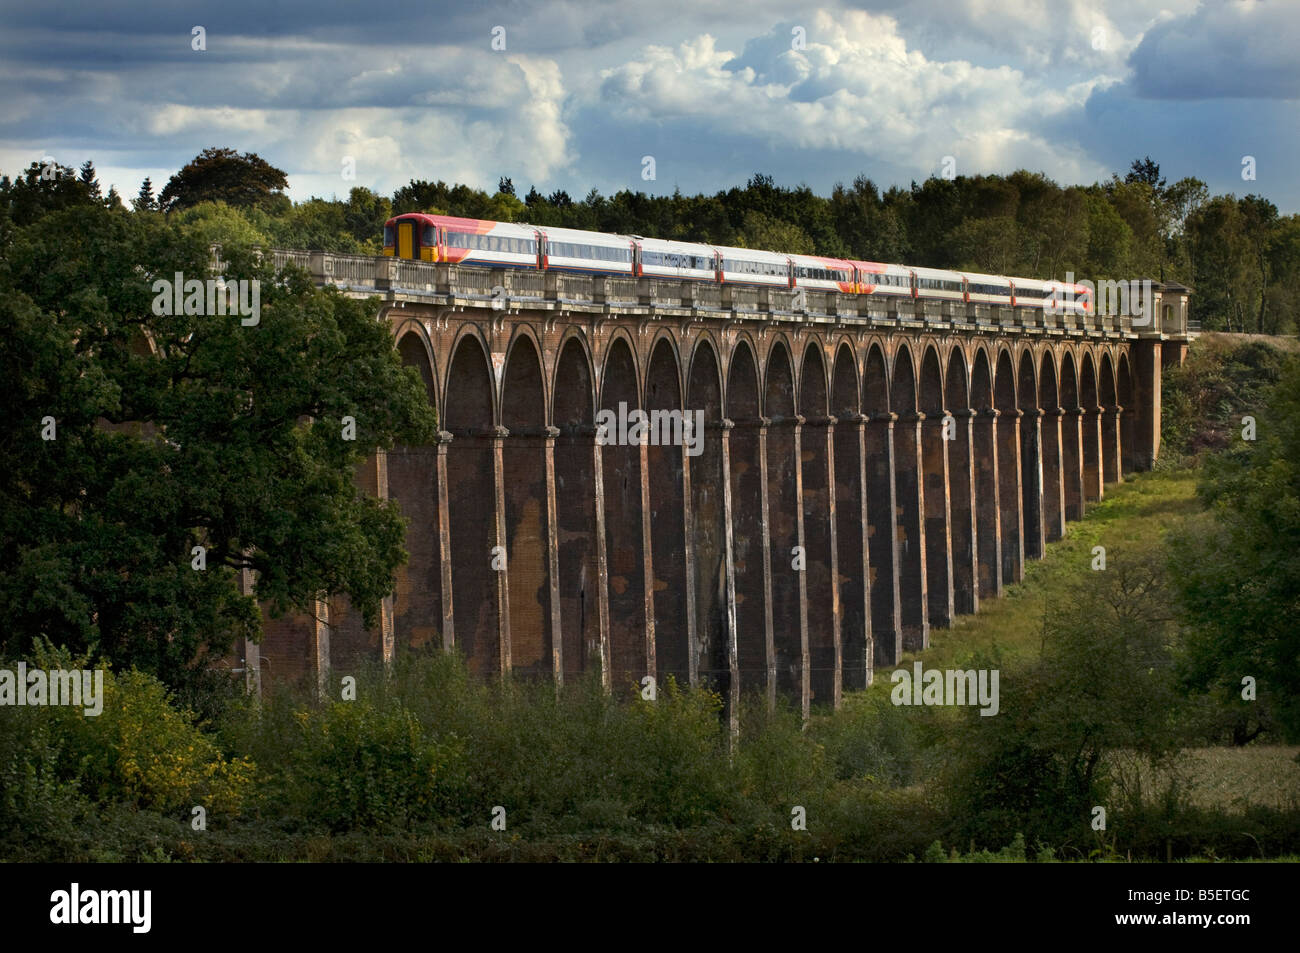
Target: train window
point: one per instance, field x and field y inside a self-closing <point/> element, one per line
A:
<point x="388" y="235"/>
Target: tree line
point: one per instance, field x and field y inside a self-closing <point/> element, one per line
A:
<point x="1240" y="255"/>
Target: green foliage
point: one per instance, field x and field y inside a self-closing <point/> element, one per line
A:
<point x="1203" y="400"/>
<point x="180" y="430"/>
<point x="1239" y="577"/>
<point x="216" y="223"/>
<point x="223" y="175"/>
<point x="1104" y="682"/>
<point x="140" y="750"/>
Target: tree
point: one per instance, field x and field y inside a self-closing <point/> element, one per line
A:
<point x="132" y="436"/>
<point x="1147" y="171"/>
<point x="504" y="185"/>
<point x="145" y="200"/>
<point x="1182" y="200"/>
<point x="364" y="215"/>
<point x="89" y="179"/>
<point x="1239" y="576"/>
<point x="1110" y="240"/>
<point x="43" y="188"/>
<point x="1104" y="684"/>
<point x="419" y="195"/>
<point x="1261" y="220"/>
<point x="1221" y="261"/>
<point x="223" y="175"/>
<point x="760" y="232"/>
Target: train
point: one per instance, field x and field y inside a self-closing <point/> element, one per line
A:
<point x="471" y="241"/>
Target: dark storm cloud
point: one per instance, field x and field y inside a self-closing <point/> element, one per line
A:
<point x="713" y="90"/>
<point x="1248" y="50"/>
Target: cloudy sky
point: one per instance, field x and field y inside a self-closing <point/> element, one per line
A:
<point x="713" y="90"/>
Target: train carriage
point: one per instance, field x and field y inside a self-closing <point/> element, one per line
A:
<point x="935" y="284"/>
<point x="749" y="266"/>
<point x="822" y="274"/>
<point x="1070" y="298"/>
<point x="570" y="249"/>
<point x="987" y="289"/>
<point x="657" y="258"/>
<point x="877" y="279"/>
<point x="468" y="241"/>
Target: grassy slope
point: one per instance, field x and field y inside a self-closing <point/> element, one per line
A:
<point x="1129" y="522"/>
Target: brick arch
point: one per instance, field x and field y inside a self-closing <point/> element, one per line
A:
<point x="875" y="380"/>
<point x="521" y="333"/>
<point x="1088" y="380"/>
<point x="415" y="351"/>
<point x="852" y="567"/>
<point x="619" y="338"/>
<point x="706" y="349"/>
<point x="1071" y="436"/>
<point x="956" y="380"/>
<point x="779" y="380"/>
<point x="1004" y="380"/>
<point x="956" y="390"/>
<point x="1128" y="417"/>
<point x="881" y="503"/>
<point x="523" y="386"/>
<point x="573" y="386"/>
<point x="743" y="381"/>
<point x="984" y="473"/>
<point x="524" y="492"/>
<point x="1049" y="396"/>
<point x="1031" y="455"/>
<point x="1009" y="467"/>
<point x="902" y="381"/>
<point x="784" y="519"/>
<point x="1093" y="484"/>
<point x="961" y="483"/>
<point x="1069" y="381"/>
<point x="1106" y="381"/>
<point x="1050" y="438"/>
<point x="467" y="335"/>
<point x="750" y="557"/>
<point x="1026" y="380"/>
<point x="813" y="382"/>
<point x="935" y="501"/>
<point x="471" y="483"/>
<point x="667" y="477"/>
<point x="631" y="627"/>
<point x="930" y="383"/>
<point x="842" y="349"/>
<point x="817" y="489"/>
<point x="1110" y="449"/>
<point x="981" y="384"/>
<point x="580" y="589"/>
<point x="665" y="342"/>
<point x="846" y="391"/>
<point x="413" y="484"/>
<point x="909" y="502"/>
<point x="711" y="664"/>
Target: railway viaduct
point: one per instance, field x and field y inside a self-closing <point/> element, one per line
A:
<point x="869" y="469"/>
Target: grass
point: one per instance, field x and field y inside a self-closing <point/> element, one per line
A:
<point x="1130" y="521"/>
